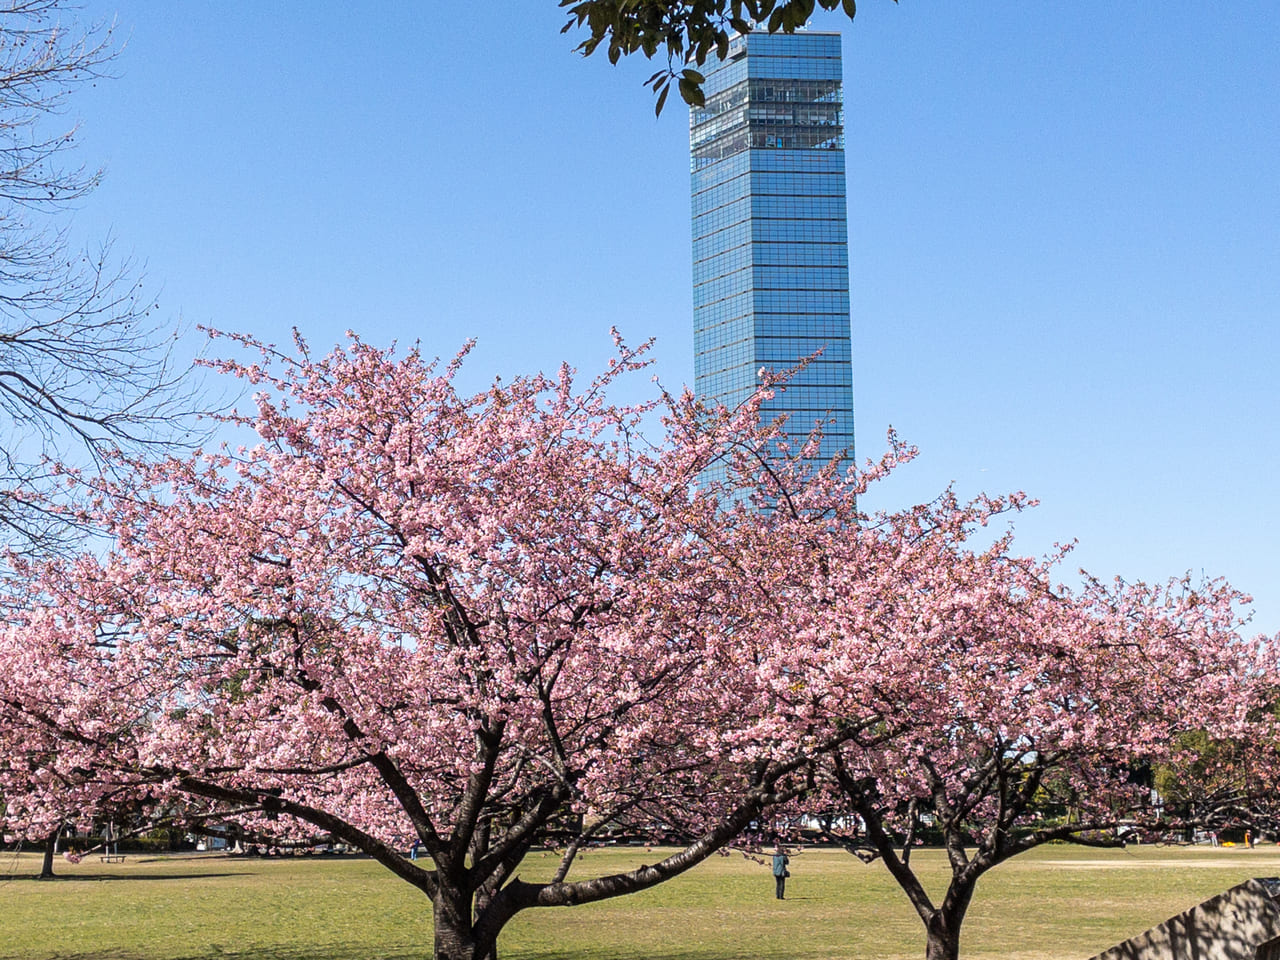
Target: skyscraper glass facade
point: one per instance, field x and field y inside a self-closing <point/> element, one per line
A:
<point x="770" y="242"/>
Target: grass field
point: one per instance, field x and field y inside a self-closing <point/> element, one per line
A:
<point x="1058" y="902"/>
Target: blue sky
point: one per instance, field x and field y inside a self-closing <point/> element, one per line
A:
<point x="1064" y="229"/>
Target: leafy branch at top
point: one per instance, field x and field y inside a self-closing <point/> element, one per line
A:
<point x="688" y="31"/>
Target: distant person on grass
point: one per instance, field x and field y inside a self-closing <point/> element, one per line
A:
<point x="780" y="871"/>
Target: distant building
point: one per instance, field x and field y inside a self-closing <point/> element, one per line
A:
<point x="770" y="242"/>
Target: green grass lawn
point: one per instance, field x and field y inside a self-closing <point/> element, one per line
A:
<point x="1058" y="902"/>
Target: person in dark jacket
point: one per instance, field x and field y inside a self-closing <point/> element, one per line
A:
<point x="780" y="871"/>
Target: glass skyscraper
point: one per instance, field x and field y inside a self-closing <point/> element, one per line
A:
<point x="770" y="242"/>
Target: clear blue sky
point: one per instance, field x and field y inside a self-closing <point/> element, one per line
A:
<point x="1064" y="228"/>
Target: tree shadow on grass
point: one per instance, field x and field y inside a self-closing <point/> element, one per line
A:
<point x="178" y="858"/>
<point x="221" y="952"/>
<point x="356" y="951"/>
<point x="130" y="877"/>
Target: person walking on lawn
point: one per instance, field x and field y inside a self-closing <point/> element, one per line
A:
<point x="780" y="871"/>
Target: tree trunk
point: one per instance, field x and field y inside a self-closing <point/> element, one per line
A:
<point x="484" y="896"/>
<point x="942" y="928"/>
<point x="46" y="865"/>
<point x="455" y="935"/>
<point x="943" y="943"/>
<point x="483" y="899"/>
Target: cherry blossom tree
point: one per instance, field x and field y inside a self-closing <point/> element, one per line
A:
<point x="29" y="814"/>
<point x="1034" y="714"/>
<point x="1224" y="783"/>
<point x="480" y="622"/>
<point x="46" y="783"/>
<point x="1012" y="711"/>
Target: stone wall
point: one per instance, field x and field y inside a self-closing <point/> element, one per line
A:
<point x="1241" y="924"/>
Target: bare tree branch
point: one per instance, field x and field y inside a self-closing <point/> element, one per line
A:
<point x="84" y="370"/>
